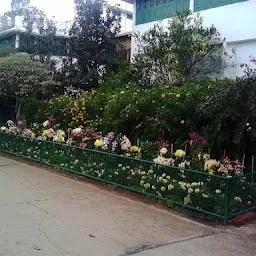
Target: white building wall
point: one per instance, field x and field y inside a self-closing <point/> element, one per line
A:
<point x="236" y="22"/>
<point x="126" y="24"/>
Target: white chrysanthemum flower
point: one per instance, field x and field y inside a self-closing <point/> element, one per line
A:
<point x="163" y="151"/>
<point x="162" y="188"/>
<point x="170" y="187"/>
<point x="190" y="190"/>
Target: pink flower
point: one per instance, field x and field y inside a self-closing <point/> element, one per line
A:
<point x="126" y="144"/>
<point x="82" y="145"/>
<point x="20" y="123"/>
<point x="69" y="142"/>
<point x="110" y="136"/>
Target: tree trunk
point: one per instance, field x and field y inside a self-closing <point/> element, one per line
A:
<point x="17" y="109"/>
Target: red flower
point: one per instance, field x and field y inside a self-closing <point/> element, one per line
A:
<point x="51" y="121"/>
<point x="195" y="138"/>
<point x="161" y="144"/>
<point x="90" y="133"/>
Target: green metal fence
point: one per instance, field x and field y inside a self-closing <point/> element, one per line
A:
<point x="222" y="197"/>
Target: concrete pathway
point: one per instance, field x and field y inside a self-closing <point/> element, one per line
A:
<point x="44" y="213"/>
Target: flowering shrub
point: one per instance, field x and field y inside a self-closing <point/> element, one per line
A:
<point x="120" y="144"/>
<point x="224" y="167"/>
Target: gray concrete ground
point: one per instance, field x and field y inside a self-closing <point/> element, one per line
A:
<point x="44" y="213"/>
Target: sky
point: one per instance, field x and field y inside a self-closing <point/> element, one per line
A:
<point x="61" y="10"/>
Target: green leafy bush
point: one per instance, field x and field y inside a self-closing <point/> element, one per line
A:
<point x="231" y="118"/>
<point x="185" y="51"/>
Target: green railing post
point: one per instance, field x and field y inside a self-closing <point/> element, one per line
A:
<point x="106" y="161"/>
<point x="69" y="158"/>
<point x="40" y="146"/>
<point x="227" y="200"/>
<point x="156" y="184"/>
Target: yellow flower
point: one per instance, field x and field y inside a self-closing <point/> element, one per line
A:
<point x="45" y="133"/>
<point x="182" y="122"/>
<point x="163" y="95"/>
<point x="98" y="143"/>
<point x="177" y="95"/>
<point x="206" y="157"/>
<point x="210" y="165"/>
<point x="180" y="153"/>
<point x="211" y="171"/>
<point x="134" y="149"/>
<point x="33" y="135"/>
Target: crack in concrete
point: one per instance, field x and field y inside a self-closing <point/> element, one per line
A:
<point x="43" y="232"/>
<point x="51" y="198"/>
<point x="47" y="237"/>
<point x="30" y="203"/>
<point x="38" y="200"/>
<point x="39" y="208"/>
<point x="142" y="248"/>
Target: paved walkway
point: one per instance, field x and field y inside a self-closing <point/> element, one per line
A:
<point x="44" y="213"/>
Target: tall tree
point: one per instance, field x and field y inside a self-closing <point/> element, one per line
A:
<point x="93" y="48"/>
<point x="185" y="51"/>
<point x="21" y="78"/>
<point x="17" y="4"/>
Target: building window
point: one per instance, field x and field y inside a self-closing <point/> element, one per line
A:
<point x="8" y="42"/>
<point x="153" y="10"/>
<point x="201" y="5"/>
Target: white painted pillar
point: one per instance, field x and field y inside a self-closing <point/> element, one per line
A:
<point x="17" y="41"/>
<point x="191" y="5"/>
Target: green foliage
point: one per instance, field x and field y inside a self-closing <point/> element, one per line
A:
<point x="21" y="78"/>
<point x="231" y="118"/>
<point x="93" y="43"/>
<point x="166" y="113"/>
<point x="185" y="51"/>
<point x="6" y="52"/>
<point x="159" y="113"/>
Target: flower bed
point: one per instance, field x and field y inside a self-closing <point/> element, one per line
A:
<point x="221" y="196"/>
